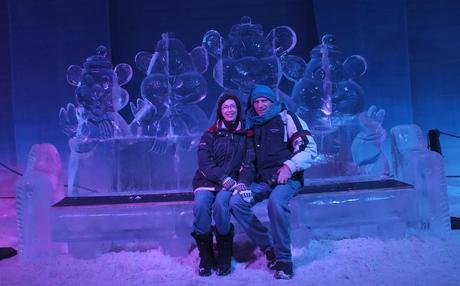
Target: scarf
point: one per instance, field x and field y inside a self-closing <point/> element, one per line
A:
<point x="253" y="119"/>
<point x="231" y="125"/>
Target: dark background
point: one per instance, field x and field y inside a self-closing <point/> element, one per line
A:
<point x="412" y="48"/>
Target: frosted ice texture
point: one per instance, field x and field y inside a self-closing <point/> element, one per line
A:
<point x="102" y="228"/>
<point x="385" y="213"/>
<point x="36" y="191"/>
<point x="129" y="165"/>
<point x="415" y="164"/>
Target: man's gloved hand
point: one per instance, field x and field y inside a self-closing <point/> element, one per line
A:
<point x="228" y="183"/>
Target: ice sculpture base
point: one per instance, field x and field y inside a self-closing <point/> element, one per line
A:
<point x="93" y="225"/>
<point x="122" y="165"/>
<point x="383" y="208"/>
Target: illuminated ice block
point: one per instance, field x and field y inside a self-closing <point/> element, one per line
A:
<point x="332" y="208"/>
<point x="350" y="207"/>
<point x="94" y="225"/>
<point x="415" y="164"/>
<point x="121" y="165"/>
<point x="35" y="193"/>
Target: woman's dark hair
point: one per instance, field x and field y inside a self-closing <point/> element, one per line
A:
<point x="225" y="96"/>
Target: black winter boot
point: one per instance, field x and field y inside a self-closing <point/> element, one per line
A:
<point x="224" y="252"/>
<point x="271" y="259"/>
<point x="204" y="245"/>
<point x="283" y="270"/>
<point x="7" y="252"/>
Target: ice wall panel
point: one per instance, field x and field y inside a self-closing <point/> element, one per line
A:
<point x="45" y="39"/>
<point x="377" y="31"/>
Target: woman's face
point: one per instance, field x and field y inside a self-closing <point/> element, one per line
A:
<point x="229" y="110"/>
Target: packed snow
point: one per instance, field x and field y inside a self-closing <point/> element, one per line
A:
<point x="415" y="260"/>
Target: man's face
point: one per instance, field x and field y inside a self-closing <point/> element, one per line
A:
<point x="261" y="105"/>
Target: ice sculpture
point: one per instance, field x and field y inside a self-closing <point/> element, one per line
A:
<point x="172" y="87"/>
<point x="383" y="208"/>
<point x="92" y="229"/>
<point x="95" y="120"/>
<point x="156" y="150"/>
<point x="328" y="85"/>
<point x="40" y="186"/>
<point x="331" y="102"/>
<point x="415" y="164"/>
<point x="248" y="57"/>
<point x="167" y="123"/>
<point x="99" y="97"/>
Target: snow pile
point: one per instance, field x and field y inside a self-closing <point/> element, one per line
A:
<point x="363" y="261"/>
<point x="421" y="260"/>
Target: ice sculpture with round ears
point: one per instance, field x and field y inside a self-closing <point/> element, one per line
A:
<point x="173" y="85"/>
<point x="328" y="88"/>
<point x="330" y="100"/>
<point x="248" y="57"/>
<point x="99" y="97"/>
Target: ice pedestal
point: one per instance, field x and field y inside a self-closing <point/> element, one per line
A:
<point x="111" y="203"/>
<point x="92" y="226"/>
<point x="378" y="208"/>
<point x="35" y="193"/>
<point x="415" y="164"/>
<point x="345" y="209"/>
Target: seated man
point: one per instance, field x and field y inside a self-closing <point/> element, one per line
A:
<point x="283" y="149"/>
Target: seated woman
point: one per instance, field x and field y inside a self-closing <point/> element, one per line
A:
<point x="220" y="155"/>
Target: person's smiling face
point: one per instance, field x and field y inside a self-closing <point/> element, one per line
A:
<point x="261" y="105"/>
<point x="229" y="110"/>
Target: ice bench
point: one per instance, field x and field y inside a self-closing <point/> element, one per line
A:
<point x="92" y="225"/>
<point x="333" y="209"/>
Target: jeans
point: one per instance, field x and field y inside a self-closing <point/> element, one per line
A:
<point x="279" y="213"/>
<point x="215" y="203"/>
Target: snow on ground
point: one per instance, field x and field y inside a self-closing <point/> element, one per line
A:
<point x="422" y="260"/>
<point x="414" y="261"/>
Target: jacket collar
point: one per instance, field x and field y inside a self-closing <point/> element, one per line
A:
<point x="219" y="125"/>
